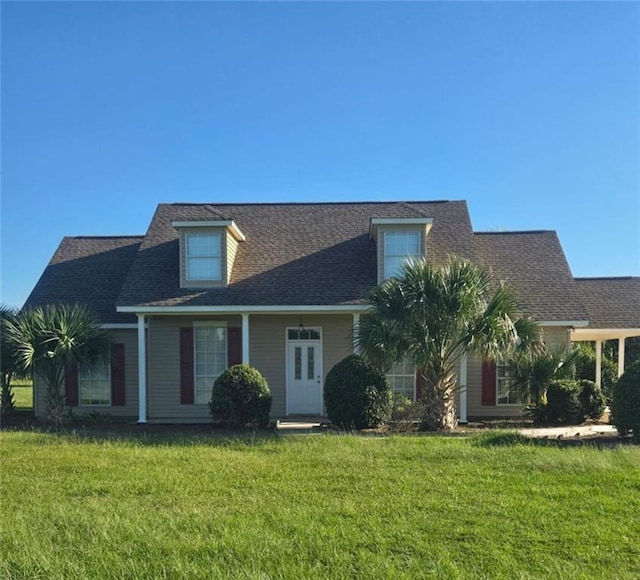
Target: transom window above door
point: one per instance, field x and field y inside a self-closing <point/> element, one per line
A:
<point x="303" y="334"/>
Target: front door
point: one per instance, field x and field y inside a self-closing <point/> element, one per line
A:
<point x="304" y="376"/>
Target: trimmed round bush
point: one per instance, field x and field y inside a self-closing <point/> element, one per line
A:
<point x="592" y="400"/>
<point x="357" y="395"/>
<point x="625" y="406"/>
<point x="241" y="398"/>
<point x="563" y="402"/>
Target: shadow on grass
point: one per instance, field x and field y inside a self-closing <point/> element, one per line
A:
<point x="147" y="435"/>
<point x="513" y="438"/>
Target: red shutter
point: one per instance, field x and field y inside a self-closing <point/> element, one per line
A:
<point x="488" y="383"/>
<point x="420" y="384"/>
<point x="186" y="366"/>
<point x="234" y="346"/>
<point x="71" y="385"/>
<point x="117" y="375"/>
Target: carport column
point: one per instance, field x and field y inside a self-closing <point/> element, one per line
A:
<point x="356" y="325"/>
<point x="598" y="380"/>
<point x="620" y="356"/>
<point x="142" y="371"/>
<point x="245" y="339"/>
<point x="463" y="389"/>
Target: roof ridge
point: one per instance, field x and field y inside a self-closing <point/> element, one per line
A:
<point x="211" y="206"/>
<point x="215" y="212"/>
<point x="515" y="232"/>
<point x="119" y="237"/>
<point x="578" y="278"/>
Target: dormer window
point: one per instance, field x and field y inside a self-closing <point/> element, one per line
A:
<point x="399" y="248"/>
<point x="398" y="240"/>
<point x="208" y="251"/>
<point x="203" y="257"/>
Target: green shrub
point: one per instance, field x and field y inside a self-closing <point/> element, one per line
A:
<point x="586" y="368"/>
<point x="592" y="400"/>
<point x="572" y="402"/>
<point x="563" y="402"/>
<point x="241" y="398"/>
<point x="357" y="395"/>
<point x="625" y="406"/>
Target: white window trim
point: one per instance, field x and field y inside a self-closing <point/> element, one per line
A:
<point x="385" y="254"/>
<point x="499" y="364"/>
<point x="95" y="405"/>
<point x="413" y="398"/>
<point x="187" y="257"/>
<point x="208" y="324"/>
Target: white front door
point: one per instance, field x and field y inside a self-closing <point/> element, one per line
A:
<point x="304" y="377"/>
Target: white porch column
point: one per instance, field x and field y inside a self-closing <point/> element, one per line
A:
<point x="463" y="389"/>
<point x="245" y="339"/>
<point x="142" y="371"/>
<point x="598" y="380"/>
<point x="620" y="356"/>
<point x="356" y="324"/>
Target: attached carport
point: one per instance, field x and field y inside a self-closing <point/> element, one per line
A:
<point x="613" y="308"/>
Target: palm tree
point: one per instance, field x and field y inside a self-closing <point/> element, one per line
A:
<point x="533" y="372"/>
<point x="431" y="316"/>
<point x="9" y="367"/>
<point x="49" y="339"/>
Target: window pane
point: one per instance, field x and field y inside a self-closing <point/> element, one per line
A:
<point x="310" y="363"/>
<point x="203" y="245"/>
<point x="399" y="247"/>
<point x="94" y="386"/>
<point x="203" y="256"/>
<point x="298" y="363"/>
<point x="210" y="360"/>
<point x="402" y="380"/>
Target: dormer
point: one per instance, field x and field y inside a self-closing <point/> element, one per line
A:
<point x="207" y="252"/>
<point x="398" y="240"/>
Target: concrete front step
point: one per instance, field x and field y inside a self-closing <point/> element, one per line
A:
<point x="299" y="427"/>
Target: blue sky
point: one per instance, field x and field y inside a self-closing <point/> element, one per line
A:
<point x="529" y="111"/>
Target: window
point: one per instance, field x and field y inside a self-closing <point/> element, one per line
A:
<point x="94" y="386"/>
<point x="303" y="334"/>
<point x="203" y="257"/>
<point x="399" y="247"/>
<point x="505" y="393"/>
<point x="402" y="379"/>
<point x="210" y="359"/>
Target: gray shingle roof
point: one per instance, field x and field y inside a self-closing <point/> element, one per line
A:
<point x="88" y="270"/>
<point x="295" y="254"/>
<point x="611" y="302"/>
<point x="534" y="265"/>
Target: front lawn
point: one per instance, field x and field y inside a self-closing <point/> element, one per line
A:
<point x="317" y="506"/>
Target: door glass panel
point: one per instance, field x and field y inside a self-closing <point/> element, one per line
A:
<point x="310" y="363"/>
<point x="298" y="363"/>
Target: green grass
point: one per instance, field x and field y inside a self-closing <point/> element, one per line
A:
<point x="78" y="506"/>
<point x="23" y="394"/>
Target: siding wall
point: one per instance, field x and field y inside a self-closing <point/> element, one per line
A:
<point x="267" y="347"/>
<point x="163" y="374"/>
<point x="232" y="250"/>
<point x="129" y="338"/>
<point x="553" y="336"/>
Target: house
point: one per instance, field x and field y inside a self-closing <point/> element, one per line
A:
<point x="281" y="287"/>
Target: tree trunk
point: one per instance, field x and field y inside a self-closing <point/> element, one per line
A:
<point x="439" y="406"/>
